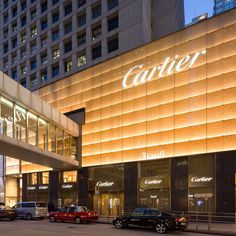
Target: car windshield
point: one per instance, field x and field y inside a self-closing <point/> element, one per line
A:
<point x="5" y="208"/>
<point x="84" y="208"/>
<point x="41" y="204"/>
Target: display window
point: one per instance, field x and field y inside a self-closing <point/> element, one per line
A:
<point x="154" y="184"/>
<point x="107" y="187"/>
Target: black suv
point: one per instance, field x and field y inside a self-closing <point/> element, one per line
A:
<point x="149" y="217"/>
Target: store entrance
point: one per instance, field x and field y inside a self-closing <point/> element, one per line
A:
<point x="109" y="204"/>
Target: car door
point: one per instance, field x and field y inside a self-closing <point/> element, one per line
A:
<point x="18" y="210"/>
<point x="61" y="215"/>
<point x="71" y="213"/>
<point x="135" y="217"/>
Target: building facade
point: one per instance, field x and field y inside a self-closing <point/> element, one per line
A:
<point x="223" y="5"/>
<point x="44" y="41"/>
<point x="159" y="126"/>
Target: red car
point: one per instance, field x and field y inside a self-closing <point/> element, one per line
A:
<point x="77" y="214"/>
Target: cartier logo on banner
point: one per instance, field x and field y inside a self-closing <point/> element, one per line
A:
<point x="154" y="182"/>
<point x="198" y="181"/>
<point x="167" y="68"/>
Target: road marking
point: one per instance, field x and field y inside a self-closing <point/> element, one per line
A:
<point x="77" y="232"/>
<point x="6" y="225"/>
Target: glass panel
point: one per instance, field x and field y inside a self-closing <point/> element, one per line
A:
<point x="51" y="138"/>
<point x="34" y="179"/>
<point x="12" y="166"/>
<point x="45" y="178"/>
<point x="32" y="129"/>
<point x="67" y="145"/>
<point x="73" y="148"/>
<point x="20" y="123"/>
<point x="6" y="119"/>
<point x="42" y="134"/>
<point x="59" y="140"/>
<point x="69" y="176"/>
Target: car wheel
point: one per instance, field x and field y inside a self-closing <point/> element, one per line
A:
<point x="29" y="216"/>
<point x="160" y="228"/>
<point x="119" y="224"/>
<point x="77" y="220"/>
<point x="52" y="219"/>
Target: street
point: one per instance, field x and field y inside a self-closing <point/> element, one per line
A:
<point x="45" y="228"/>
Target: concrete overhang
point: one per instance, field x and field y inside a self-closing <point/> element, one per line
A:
<point x="26" y="152"/>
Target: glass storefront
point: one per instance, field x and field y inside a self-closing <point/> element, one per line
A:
<point x="68" y="189"/>
<point x="154" y="184"/>
<point x="201" y="181"/>
<point x="106" y="185"/>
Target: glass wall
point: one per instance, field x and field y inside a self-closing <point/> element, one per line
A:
<point x="18" y="123"/>
<point x="1" y="178"/>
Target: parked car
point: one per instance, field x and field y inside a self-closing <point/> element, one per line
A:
<point x="77" y="214"/>
<point x="7" y="213"/>
<point x="31" y="210"/>
<point x="148" y="217"/>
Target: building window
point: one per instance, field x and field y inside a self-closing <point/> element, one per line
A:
<point x="55" y="17"/>
<point x="55" y="53"/>
<point x="23" y="6"/>
<point x="23" y="69"/>
<point x="33" y="65"/>
<point x="33" y="83"/>
<point x="14" y="43"/>
<point x="44" y="6"/>
<point x="5" y="18"/>
<point x="82" y="59"/>
<point x="81" y="3"/>
<point x="14" y="11"/>
<point x="96" y="31"/>
<point x="14" y="27"/>
<point x="5" y="3"/>
<point x="96" y="52"/>
<point x="5" y="64"/>
<point x="44" y="24"/>
<point x="14" y="58"/>
<point x="23" y="37"/>
<point x="113" y="44"/>
<point x="112" y="4"/>
<point x="33" y="14"/>
<point x="96" y="11"/>
<point x="67" y="64"/>
<point x="44" y="59"/>
<point x="82" y="20"/>
<point x="67" y="46"/>
<point x="55" y="71"/>
<point x="82" y="39"/>
<point x="44" y="76"/>
<point x="23" y="53"/>
<point x="68" y="9"/>
<point x="23" y="21"/>
<point x="5" y="48"/>
<point x="5" y="33"/>
<point x="23" y="82"/>
<point x="113" y="23"/>
<point x="33" y="47"/>
<point x="14" y="74"/>
<point x="55" y="35"/>
<point x="54" y="2"/>
<point x="68" y="27"/>
<point x="33" y="31"/>
<point x="44" y="41"/>
<point x="69" y="176"/>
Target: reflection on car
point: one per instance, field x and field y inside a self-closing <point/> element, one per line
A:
<point x="77" y="214"/>
<point x="148" y="217"/>
<point x="7" y="213"/>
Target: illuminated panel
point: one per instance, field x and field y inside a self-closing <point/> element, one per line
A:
<point x="151" y="103"/>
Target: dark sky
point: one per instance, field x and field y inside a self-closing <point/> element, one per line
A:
<point x="195" y="8"/>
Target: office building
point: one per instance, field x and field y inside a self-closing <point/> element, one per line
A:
<point x="223" y="5"/>
<point x="44" y="41"/>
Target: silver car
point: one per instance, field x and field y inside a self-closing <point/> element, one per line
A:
<point x="31" y="210"/>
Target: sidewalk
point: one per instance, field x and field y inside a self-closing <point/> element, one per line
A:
<point x="217" y="229"/>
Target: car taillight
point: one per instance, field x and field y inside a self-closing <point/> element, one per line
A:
<point x="180" y="219"/>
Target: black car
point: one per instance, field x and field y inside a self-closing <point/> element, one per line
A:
<point x="7" y="213"/>
<point x="148" y="217"/>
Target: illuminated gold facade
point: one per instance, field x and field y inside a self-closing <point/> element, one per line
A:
<point x="184" y="113"/>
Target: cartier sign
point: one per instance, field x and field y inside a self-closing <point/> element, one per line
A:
<point x="167" y="68"/>
<point x="104" y="184"/>
<point x="201" y="181"/>
<point x="154" y="182"/>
